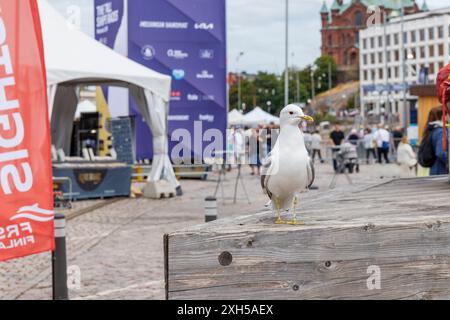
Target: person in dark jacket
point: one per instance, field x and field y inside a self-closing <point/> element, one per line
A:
<point x="337" y="135"/>
<point x="440" y="166"/>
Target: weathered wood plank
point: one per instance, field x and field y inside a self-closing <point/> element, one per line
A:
<point x="402" y="227"/>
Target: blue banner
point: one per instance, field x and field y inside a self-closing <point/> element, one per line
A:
<point x="108" y="19"/>
<point x="186" y="40"/>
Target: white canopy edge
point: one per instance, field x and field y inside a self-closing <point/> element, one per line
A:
<point x="73" y="58"/>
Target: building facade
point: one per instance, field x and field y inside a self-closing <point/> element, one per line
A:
<point x="386" y="54"/>
<point x="343" y="21"/>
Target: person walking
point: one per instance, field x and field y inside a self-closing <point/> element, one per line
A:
<point x="434" y="136"/>
<point x="397" y="136"/>
<point x="308" y="141"/>
<point x="316" y="146"/>
<point x="406" y="156"/>
<point x="369" y="145"/>
<point x="255" y="151"/>
<point x="353" y="138"/>
<point x="337" y="136"/>
<point x="383" y="138"/>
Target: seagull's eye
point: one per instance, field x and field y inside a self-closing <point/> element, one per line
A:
<point x="291" y="113"/>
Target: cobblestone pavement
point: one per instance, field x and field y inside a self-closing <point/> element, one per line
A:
<point x="119" y="247"/>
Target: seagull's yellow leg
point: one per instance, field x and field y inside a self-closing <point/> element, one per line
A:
<point x="278" y="208"/>
<point x="295" y="222"/>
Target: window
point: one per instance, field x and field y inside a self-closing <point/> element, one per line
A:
<point x="357" y="38"/>
<point x="422" y="35"/>
<point x="431" y="33"/>
<point x="330" y="40"/>
<point x="380" y="57"/>
<point x="422" y="52"/>
<point x="441" y="50"/>
<point x="365" y="59"/>
<point x="413" y="36"/>
<point x="372" y="43"/>
<point x="395" y="39"/>
<point x="365" y="75"/>
<point x="358" y="18"/>
<point x="388" y="56"/>
<point x="380" y="74"/>
<point x="380" y="41"/>
<point x="372" y="58"/>
<point x="431" y="50"/>
<point x="441" y="32"/>
<point x="432" y="70"/>
<point x="405" y="37"/>
<point x="396" y="55"/>
<point x="388" y="40"/>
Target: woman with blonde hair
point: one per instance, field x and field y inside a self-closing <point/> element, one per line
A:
<point x="406" y="155"/>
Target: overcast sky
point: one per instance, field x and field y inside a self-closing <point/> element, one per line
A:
<point x="256" y="27"/>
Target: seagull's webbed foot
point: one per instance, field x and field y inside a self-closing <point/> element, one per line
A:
<point x="278" y="209"/>
<point x="294" y="221"/>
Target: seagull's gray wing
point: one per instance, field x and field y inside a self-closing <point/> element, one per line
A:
<point x="311" y="173"/>
<point x="265" y="175"/>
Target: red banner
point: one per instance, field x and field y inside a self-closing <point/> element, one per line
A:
<point x="26" y="196"/>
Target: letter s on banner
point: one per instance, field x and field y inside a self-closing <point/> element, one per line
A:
<point x="26" y="190"/>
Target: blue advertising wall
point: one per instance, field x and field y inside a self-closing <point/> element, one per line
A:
<point x="186" y="40"/>
<point x="108" y="19"/>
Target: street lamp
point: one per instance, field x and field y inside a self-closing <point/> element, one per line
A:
<point x="286" y="76"/>
<point x="269" y="106"/>
<point x="238" y="58"/>
<point x="313" y="83"/>
<point x="402" y="35"/>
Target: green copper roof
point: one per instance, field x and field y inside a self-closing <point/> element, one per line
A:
<point x="345" y="6"/>
<point x="389" y="4"/>
<point x="324" y="8"/>
<point x="335" y="5"/>
<point x="424" y="7"/>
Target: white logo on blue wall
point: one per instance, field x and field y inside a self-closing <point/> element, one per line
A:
<point x="177" y="54"/>
<point x="148" y="52"/>
<point x="206" y="54"/>
<point x="178" y="74"/>
<point x="204" y="26"/>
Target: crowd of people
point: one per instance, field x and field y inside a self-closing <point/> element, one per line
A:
<point x="376" y="144"/>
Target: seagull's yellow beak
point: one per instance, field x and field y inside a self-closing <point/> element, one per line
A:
<point x="307" y="118"/>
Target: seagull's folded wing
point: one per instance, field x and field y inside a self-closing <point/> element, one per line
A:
<point x="265" y="174"/>
<point x="311" y="173"/>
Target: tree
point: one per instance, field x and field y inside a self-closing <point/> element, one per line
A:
<point x="257" y="90"/>
<point x="323" y="65"/>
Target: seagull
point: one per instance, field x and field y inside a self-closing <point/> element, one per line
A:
<point x="288" y="170"/>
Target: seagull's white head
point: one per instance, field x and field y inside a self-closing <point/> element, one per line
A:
<point x="293" y="115"/>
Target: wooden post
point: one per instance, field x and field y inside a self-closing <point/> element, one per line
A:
<point x="400" y="229"/>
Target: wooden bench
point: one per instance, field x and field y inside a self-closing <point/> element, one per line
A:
<point x="400" y="229"/>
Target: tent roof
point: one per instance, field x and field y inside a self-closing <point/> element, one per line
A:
<point x="71" y="56"/>
<point x="235" y="117"/>
<point x="259" y="116"/>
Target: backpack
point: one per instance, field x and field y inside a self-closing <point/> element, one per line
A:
<point x="427" y="156"/>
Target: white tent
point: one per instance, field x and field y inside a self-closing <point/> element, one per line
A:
<point x="258" y="116"/>
<point x="235" y="118"/>
<point x="73" y="58"/>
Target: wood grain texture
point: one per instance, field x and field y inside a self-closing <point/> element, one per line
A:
<point x="403" y="227"/>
